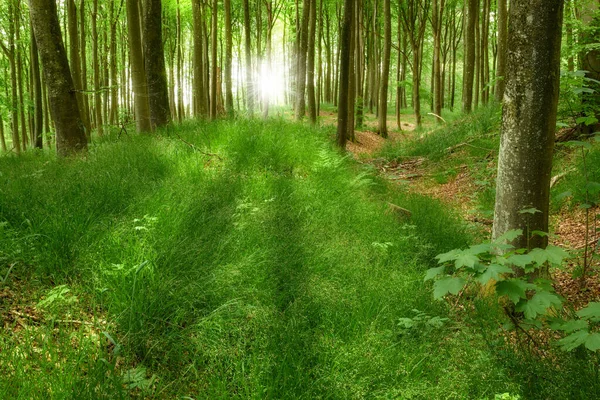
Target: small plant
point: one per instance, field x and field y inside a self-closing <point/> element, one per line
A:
<point x="499" y="267"/>
<point x="421" y="323"/>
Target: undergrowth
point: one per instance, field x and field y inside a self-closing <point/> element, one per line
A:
<point x="241" y="259"/>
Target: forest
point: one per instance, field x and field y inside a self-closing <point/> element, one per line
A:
<point x="300" y="199"/>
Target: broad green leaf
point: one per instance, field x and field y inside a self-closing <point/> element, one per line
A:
<point x="465" y="259"/>
<point x="481" y="248"/>
<point x="520" y="260"/>
<point x="593" y="342"/>
<point x="493" y="271"/>
<point x="555" y="255"/>
<point x="509" y="236"/>
<point x="539" y="256"/>
<point x="433" y="272"/>
<point x="447" y="285"/>
<point x="449" y="256"/>
<point x="514" y="289"/>
<point x="573" y="340"/>
<point x="538" y="304"/>
<point x="591" y="312"/>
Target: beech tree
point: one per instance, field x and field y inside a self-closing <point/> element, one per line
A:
<point x="156" y="75"/>
<point x="529" y="120"/>
<point x="70" y="133"/>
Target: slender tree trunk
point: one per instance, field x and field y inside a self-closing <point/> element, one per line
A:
<point x="385" y="68"/>
<point x="158" y="94"/>
<point x="469" y="64"/>
<point x="345" y="49"/>
<point x="96" y="66"/>
<point x="302" y="53"/>
<point x="198" y="89"/>
<point x="248" y="52"/>
<point x="37" y="95"/>
<point x="213" y="49"/>
<point x="528" y="120"/>
<point x="70" y="135"/>
<point x="19" y="57"/>
<point x="228" y="60"/>
<point x="2" y="139"/>
<point x="352" y="79"/>
<point x="310" y="86"/>
<point x="74" y="54"/>
<point x="16" y="140"/>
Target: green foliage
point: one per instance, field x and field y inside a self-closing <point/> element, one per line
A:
<point x="505" y="268"/>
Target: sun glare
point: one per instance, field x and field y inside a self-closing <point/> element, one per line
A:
<point x="271" y="82"/>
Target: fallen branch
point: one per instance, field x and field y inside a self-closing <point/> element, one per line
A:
<point x="591" y="243"/>
<point x="399" y="210"/>
<point x="195" y="148"/>
<point x="452" y="148"/>
<point x="558" y="177"/>
<point x="438" y="116"/>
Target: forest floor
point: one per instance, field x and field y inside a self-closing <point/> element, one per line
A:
<point x="250" y="259"/>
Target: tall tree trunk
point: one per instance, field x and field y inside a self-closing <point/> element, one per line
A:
<point x="74" y="54"/>
<point x="529" y="120"/>
<point x="248" y="52"/>
<point x="352" y="80"/>
<point x="302" y="53"/>
<point x="70" y="134"/>
<point x="38" y="112"/>
<point x="310" y="78"/>
<point x="198" y="95"/>
<point x="502" y="41"/>
<point x="19" y="57"/>
<point x="228" y="60"/>
<point x="469" y="64"/>
<point x="85" y="106"/>
<point x="213" y="49"/>
<point x="156" y="75"/>
<point x="2" y="139"/>
<point x="385" y="68"/>
<point x="345" y="49"/>
<point x="138" y="74"/>
<point x="96" y="65"/>
<point x="11" y="54"/>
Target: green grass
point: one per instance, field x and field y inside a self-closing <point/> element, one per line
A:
<point x="270" y="268"/>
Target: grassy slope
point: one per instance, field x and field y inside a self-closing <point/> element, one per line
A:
<point x="271" y="271"/>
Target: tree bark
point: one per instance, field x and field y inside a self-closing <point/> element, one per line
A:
<point x="345" y="48"/>
<point x="385" y="68"/>
<point x="310" y="78"/>
<point x="228" y="60"/>
<point x="138" y="74"/>
<point x="96" y="65"/>
<point x="528" y="120"/>
<point x="38" y="112"/>
<point x="70" y="134"/>
<point x="302" y="53"/>
<point x="213" y="49"/>
<point x="469" y="63"/>
<point x="158" y="93"/>
<point x="248" y="51"/>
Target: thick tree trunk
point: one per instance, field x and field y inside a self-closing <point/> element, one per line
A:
<point x="199" y="94"/>
<point x="156" y="75"/>
<point x="345" y="48"/>
<point x="385" y="68"/>
<point x="70" y="134"/>
<point x="138" y="74"/>
<point x="529" y="120"/>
